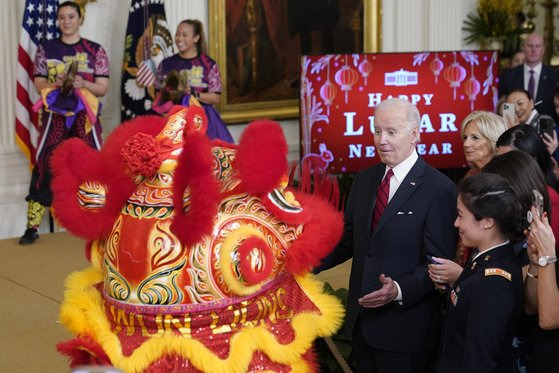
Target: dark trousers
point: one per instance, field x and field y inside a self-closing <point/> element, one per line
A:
<point x="372" y="360"/>
<point x="53" y="132"/>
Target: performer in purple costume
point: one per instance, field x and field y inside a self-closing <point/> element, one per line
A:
<point x="51" y="61"/>
<point x="203" y="74"/>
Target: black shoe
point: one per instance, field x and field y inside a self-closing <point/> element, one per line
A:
<point x="29" y="236"/>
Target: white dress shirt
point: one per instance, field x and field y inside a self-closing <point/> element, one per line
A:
<point x="537" y="72"/>
<point x="400" y="173"/>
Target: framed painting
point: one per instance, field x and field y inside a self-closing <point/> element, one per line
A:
<point x="258" y="44"/>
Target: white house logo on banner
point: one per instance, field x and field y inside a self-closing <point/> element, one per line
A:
<point x="401" y="78"/>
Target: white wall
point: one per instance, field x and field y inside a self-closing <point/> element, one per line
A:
<point x="424" y="25"/>
<point x="407" y="25"/>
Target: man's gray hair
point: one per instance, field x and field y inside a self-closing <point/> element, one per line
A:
<point x="397" y="104"/>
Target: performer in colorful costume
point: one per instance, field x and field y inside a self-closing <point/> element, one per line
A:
<point x="200" y="73"/>
<point x="200" y="252"/>
<point x="72" y="114"/>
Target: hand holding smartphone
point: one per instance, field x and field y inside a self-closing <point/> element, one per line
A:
<point x="431" y="259"/>
<point x="439" y="284"/>
<point x="537" y="202"/>
<point x="508" y="111"/>
<point x="546" y="125"/>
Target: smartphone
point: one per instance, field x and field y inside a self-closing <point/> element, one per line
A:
<point x="508" y="111"/>
<point x="430" y="258"/>
<point x="546" y="125"/>
<point x="537" y="202"/>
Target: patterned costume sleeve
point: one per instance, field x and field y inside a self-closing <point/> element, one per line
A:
<point x="40" y="66"/>
<point x="214" y="79"/>
<point x="101" y="63"/>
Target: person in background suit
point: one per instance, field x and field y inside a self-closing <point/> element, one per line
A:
<point x="544" y="77"/>
<point x="393" y="309"/>
<point x="517" y="59"/>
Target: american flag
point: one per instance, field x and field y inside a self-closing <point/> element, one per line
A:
<point x="38" y="25"/>
<point x="145" y="75"/>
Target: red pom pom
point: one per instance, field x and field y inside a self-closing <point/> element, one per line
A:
<point x="143" y="154"/>
<point x="261" y="158"/>
<point x="74" y="163"/>
<point x="316" y="241"/>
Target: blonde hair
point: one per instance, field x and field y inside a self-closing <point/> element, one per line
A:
<point x="490" y="125"/>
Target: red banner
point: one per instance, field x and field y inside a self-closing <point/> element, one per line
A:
<point x="339" y="94"/>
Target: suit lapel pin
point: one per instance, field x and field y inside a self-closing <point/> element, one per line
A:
<point x="487" y="257"/>
<point x="474" y="264"/>
<point x="412" y="183"/>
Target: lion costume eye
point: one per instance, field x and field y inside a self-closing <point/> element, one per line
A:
<point x="284" y="201"/>
<point x="246" y="260"/>
<point x="92" y="195"/>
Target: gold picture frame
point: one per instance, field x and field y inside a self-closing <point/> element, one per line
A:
<point x="243" y="112"/>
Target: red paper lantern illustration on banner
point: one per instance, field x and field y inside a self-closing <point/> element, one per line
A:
<point x="436" y="67"/>
<point x="454" y="75"/>
<point x="346" y="77"/>
<point x="328" y="91"/>
<point x="365" y="68"/>
<point x="472" y="88"/>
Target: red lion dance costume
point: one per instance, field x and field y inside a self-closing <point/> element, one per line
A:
<point x="200" y="252"/>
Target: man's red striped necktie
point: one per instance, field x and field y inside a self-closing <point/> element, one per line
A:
<point x="382" y="198"/>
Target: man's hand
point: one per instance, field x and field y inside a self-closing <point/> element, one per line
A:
<point x="380" y="297"/>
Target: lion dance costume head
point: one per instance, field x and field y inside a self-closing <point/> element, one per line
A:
<point x="200" y="251"/>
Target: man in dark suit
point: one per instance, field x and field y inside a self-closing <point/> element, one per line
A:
<point x="533" y="76"/>
<point x="392" y="309"/>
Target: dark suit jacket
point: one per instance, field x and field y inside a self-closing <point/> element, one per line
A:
<point x="482" y="316"/>
<point x="418" y="221"/>
<point x="514" y="78"/>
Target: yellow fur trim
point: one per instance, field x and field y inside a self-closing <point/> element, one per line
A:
<point x="229" y="244"/>
<point x="82" y="312"/>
